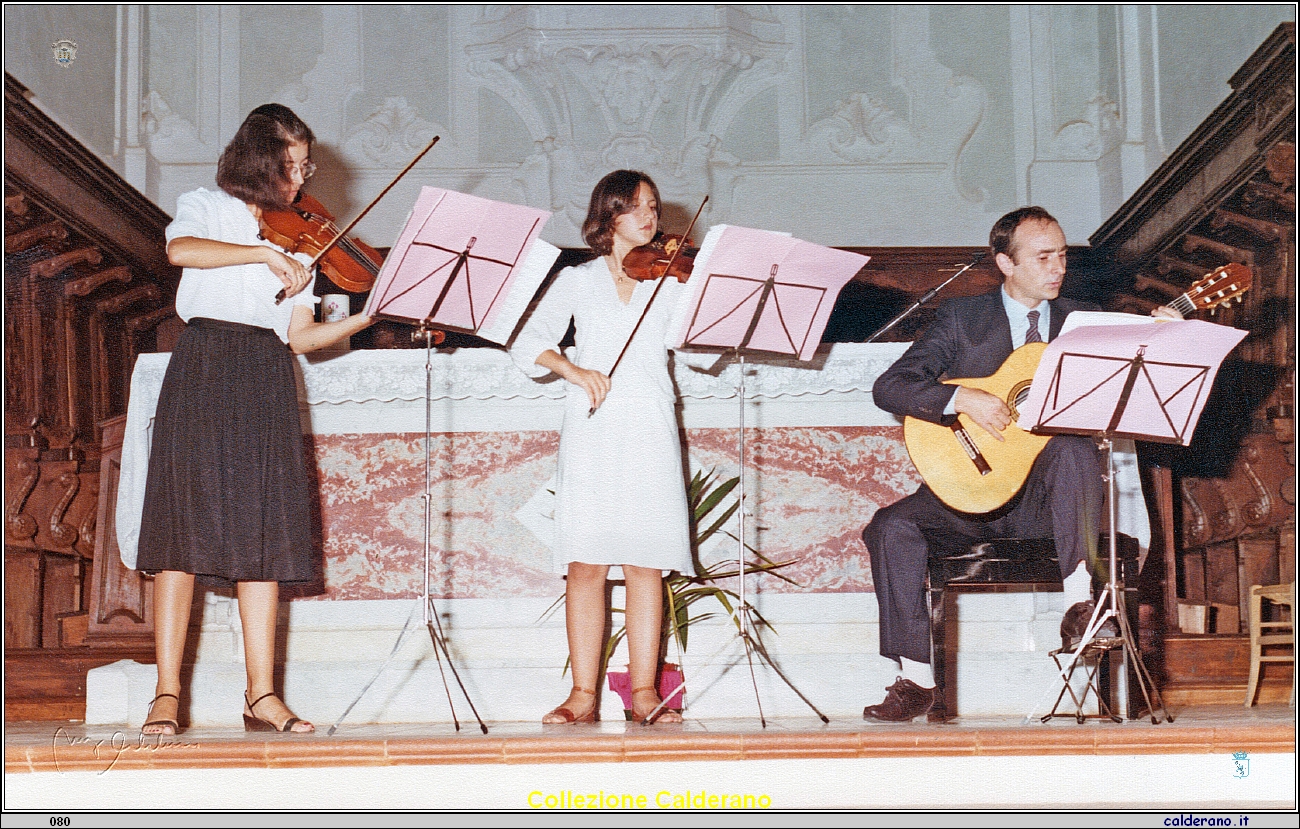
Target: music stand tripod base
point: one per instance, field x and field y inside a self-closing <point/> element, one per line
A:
<point x="1110" y="606"/>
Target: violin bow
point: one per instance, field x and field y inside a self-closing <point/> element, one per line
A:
<point x="671" y="261"/>
<point x="281" y="296"/>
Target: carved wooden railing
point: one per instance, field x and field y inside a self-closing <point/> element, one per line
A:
<point x="87" y="288"/>
<point x="1227" y="194"/>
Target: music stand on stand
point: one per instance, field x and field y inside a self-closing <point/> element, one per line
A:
<point x="755" y="291"/>
<point x="1126" y="381"/>
<point x="467" y="264"/>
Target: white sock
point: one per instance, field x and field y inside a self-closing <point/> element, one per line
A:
<point x="918" y="672"/>
<point x="1077" y="586"/>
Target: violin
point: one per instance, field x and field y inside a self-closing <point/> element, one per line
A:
<point x="319" y="251"/>
<point x="307" y="227"/>
<point x="665" y="255"/>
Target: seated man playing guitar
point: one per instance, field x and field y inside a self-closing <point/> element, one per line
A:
<point x="1062" y="497"/>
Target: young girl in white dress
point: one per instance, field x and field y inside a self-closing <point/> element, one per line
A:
<point x="621" y="493"/>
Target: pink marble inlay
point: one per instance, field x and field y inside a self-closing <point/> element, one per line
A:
<point x="811" y="491"/>
<point x="372" y="514"/>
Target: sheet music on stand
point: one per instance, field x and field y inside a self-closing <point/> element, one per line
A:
<point x="1084" y="373"/>
<point x="762" y="292"/>
<point x="464" y="263"/>
<point x="1147" y="381"/>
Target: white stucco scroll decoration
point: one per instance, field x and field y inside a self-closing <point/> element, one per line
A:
<point x="655" y="99"/>
<point x="391" y="135"/>
<point x="861" y="130"/>
<point x="1088" y="138"/>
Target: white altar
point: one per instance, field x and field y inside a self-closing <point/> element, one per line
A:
<point x="820" y="459"/>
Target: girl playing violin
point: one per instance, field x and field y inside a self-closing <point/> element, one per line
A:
<point x="228" y="497"/>
<point x="620" y="494"/>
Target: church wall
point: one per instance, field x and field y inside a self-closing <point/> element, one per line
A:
<point x="845" y="125"/>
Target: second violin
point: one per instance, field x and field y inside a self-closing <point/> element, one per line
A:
<point x="664" y="255"/>
<point x="667" y="255"/>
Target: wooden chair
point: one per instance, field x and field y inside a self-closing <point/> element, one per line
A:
<point x="1281" y="633"/>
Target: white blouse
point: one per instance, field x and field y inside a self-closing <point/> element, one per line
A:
<point x="235" y="293"/>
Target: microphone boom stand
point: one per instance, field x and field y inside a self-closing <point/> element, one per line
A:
<point x="931" y="294"/>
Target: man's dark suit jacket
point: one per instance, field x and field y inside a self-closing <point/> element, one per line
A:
<point x="970" y="337"/>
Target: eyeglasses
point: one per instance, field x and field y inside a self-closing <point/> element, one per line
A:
<point x="306" y="170"/>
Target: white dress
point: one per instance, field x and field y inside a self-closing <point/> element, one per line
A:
<point x="620" y="491"/>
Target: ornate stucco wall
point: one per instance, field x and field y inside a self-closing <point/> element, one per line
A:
<point x="846" y="125"/>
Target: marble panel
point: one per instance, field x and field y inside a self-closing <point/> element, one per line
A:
<point x="811" y="490"/>
<point x="372" y="514"/>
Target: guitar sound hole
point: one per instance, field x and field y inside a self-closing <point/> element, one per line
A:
<point x="1019" y="394"/>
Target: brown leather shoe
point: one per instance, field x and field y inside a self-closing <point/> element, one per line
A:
<point x="1075" y="622"/>
<point x="904" y="701"/>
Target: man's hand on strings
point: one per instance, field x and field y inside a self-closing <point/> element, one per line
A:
<point x="988" y="410"/>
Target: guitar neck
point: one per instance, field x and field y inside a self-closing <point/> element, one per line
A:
<point x="1215" y="288"/>
<point x="1184" y="305"/>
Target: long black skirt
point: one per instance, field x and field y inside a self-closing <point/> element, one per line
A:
<point x="228" y="496"/>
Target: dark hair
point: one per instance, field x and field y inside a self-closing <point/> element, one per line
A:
<point x="1005" y="228"/>
<point x="251" y="168"/>
<point x="615" y="194"/>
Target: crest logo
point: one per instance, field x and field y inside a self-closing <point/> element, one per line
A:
<point x="65" y="51"/>
<point x="1240" y="764"/>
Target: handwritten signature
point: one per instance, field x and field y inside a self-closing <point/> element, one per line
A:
<point x="112" y="748"/>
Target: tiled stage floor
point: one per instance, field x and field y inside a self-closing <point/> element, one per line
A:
<point x="42" y="747"/>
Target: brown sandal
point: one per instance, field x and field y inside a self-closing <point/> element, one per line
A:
<point x="252" y="722"/>
<point x="165" y="724"/>
<point x="565" y="716"/>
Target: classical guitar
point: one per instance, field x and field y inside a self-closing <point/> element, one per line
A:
<point x="971" y="471"/>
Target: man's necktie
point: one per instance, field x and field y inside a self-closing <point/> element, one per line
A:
<point x="1032" y="335"/>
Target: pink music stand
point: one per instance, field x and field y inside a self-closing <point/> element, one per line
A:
<point x="1134" y="381"/>
<point x="763" y="292"/>
<point x="756" y="290"/>
<point x="1147" y="381"/>
<point x="464" y="263"/>
<point x="467" y="264"/>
